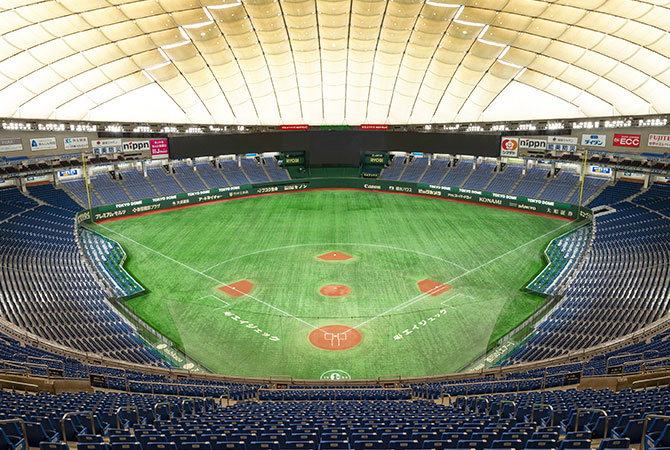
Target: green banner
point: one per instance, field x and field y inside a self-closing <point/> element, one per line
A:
<point x="376" y="159"/>
<point x="483" y="197"/>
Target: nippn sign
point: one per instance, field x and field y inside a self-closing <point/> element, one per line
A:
<point x="509" y="147"/>
<point x="136" y="146"/>
<point x="536" y="144"/>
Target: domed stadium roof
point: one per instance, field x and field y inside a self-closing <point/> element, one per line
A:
<point x="332" y="61"/>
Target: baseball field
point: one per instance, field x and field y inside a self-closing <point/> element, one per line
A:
<point x="334" y="283"/>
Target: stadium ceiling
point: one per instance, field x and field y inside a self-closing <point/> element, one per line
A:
<point x="332" y="61"/>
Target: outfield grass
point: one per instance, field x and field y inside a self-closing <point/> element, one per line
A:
<point x="487" y="255"/>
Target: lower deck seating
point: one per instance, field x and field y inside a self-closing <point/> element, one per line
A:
<point x="621" y="287"/>
<point x="254" y="171"/>
<point x="233" y="173"/>
<point x="138" y="186"/>
<point x="393" y="171"/>
<point x="414" y="170"/>
<point x="615" y="193"/>
<point x="561" y="186"/>
<point x="512" y="421"/>
<point x="481" y="177"/>
<point x="164" y="183"/>
<point x="188" y="178"/>
<point x="504" y="181"/>
<point x="212" y="176"/>
<point x="47" y="288"/>
<point x="591" y="186"/>
<point x="457" y="175"/>
<point x="275" y="172"/>
<point x="435" y="172"/>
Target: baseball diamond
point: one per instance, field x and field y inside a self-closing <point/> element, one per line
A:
<point x="370" y="283"/>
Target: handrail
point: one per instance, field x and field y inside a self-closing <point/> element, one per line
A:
<point x="542" y="405"/>
<point x="76" y="413"/>
<point x="23" y="429"/>
<point x="594" y="410"/>
<point x="500" y="406"/>
<point x="335" y="390"/>
<point x="483" y="399"/>
<point x="169" y="405"/>
<point x="643" y="445"/>
<point x="13" y="383"/>
<point x="643" y="363"/>
<point x="622" y="355"/>
<point x="442" y="395"/>
<point x="648" y="382"/>
<point x="118" y="414"/>
<point x="183" y="406"/>
<point x="227" y="397"/>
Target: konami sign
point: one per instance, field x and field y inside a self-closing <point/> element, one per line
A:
<point x="627" y="140"/>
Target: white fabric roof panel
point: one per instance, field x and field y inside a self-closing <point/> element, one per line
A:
<point x="349" y="61"/>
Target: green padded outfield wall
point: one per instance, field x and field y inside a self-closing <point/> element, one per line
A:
<point x="454" y="193"/>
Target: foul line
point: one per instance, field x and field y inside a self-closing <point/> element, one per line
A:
<point x="335" y="243"/>
<point x="207" y="276"/>
<point x="464" y="274"/>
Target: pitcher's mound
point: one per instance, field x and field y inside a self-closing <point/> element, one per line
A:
<point x="335" y="290"/>
<point x="432" y="287"/>
<point x="238" y="289"/>
<point x="335" y="337"/>
<point x="334" y="256"/>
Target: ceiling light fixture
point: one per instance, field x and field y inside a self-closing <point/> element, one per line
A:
<point x="224" y="6"/>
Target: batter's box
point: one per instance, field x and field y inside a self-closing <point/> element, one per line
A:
<point x="225" y="303"/>
<point x="444" y="303"/>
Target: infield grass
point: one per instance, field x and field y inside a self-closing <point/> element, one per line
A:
<point x="486" y="255"/>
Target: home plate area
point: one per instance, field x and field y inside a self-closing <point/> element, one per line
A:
<point x="335" y="337"/>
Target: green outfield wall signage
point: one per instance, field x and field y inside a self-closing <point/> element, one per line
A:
<point x="487" y="198"/>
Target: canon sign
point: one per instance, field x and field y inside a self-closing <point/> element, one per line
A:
<point x="136" y="146"/>
<point x="537" y="144"/>
<point x="627" y="140"/>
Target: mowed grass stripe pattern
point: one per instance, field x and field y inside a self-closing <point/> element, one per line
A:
<point x="274" y="242"/>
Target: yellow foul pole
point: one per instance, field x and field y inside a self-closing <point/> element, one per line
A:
<point x="581" y="185"/>
<point x="88" y="192"/>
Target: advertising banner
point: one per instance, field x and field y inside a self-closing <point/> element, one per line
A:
<point x="374" y="127"/>
<point x="75" y="143"/>
<point x="594" y="140"/>
<point x="627" y="140"/>
<point x="601" y="170"/>
<point x="103" y="146"/>
<point x="509" y="147"/>
<point x="11" y="145"/>
<point x="659" y="140"/>
<point x="565" y="210"/>
<point x="68" y="173"/>
<point x="39" y="144"/>
<point x="562" y="147"/>
<point x="294" y="127"/>
<point x="534" y="144"/>
<point x="136" y="146"/>
<point x="569" y="140"/>
<point x="107" y="143"/>
<point x="159" y="148"/>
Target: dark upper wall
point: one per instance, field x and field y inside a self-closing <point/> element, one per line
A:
<point x="341" y="147"/>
